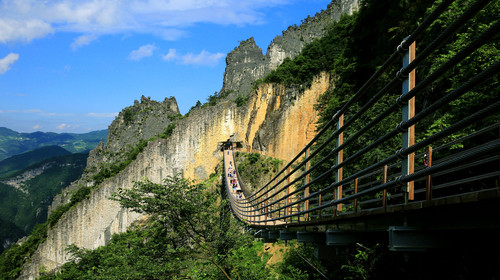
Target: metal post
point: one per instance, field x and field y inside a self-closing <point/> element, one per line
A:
<point x="319" y="204"/>
<point x="267" y="203"/>
<point x="306" y="192"/>
<point x="355" y="192"/>
<point x="408" y="111"/>
<point x="428" y="163"/>
<point x="288" y="209"/>
<point x="384" y="180"/>
<point x="274" y="199"/>
<point x="340" y="158"/>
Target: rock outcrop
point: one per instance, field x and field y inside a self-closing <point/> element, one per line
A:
<point x="246" y="63"/>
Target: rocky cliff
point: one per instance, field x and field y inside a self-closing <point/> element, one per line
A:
<point x="246" y="63"/>
<point x="143" y="120"/>
<point x="276" y="120"/>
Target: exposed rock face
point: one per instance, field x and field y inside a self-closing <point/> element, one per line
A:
<point x="19" y="181"/>
<point x="246" y="63"/>
<point x="284" y="120"/>
<point x="143" y="120"/>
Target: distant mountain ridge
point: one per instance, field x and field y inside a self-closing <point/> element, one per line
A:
<point x="14" y="143"/>
<point x="28" y="183"/>
<point x="15" y="163"/>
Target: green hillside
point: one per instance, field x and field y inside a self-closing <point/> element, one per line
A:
<point x="26" y="194"/>
<point x="21" y="161"/>
<point x="9" y="233"/>
<point x="14" y="143"/>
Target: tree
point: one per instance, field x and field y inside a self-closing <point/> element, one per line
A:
<point x="196" y="221"/>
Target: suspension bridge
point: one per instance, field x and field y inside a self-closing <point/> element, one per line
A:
<point x="359" y="179"/>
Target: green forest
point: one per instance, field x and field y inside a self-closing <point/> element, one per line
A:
<point x="24" y="207"/>
<point x="178" y="241"/>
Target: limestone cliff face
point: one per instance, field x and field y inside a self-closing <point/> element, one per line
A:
<point x="285" y="119"/>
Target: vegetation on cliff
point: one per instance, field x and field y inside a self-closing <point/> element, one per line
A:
<point x="250" y="164"/>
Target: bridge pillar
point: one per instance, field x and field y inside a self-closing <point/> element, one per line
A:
<point x="310" y="237"/>
<point x="264" y="233"/>
<point x="411" y="239"/>
<point x="287" y="235"/>
<point x="342" y="237"/>
<point x="273" y="234"/>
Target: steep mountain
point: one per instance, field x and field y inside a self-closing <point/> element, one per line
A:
<point x="26" y="194"/>
<point x="21" y="161"/>
<point x="14" y="143"/>
<point x="151" y="140"/>
<point x="246" y="63"/>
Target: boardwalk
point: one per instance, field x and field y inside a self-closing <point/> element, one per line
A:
<point x="239" y="202"/>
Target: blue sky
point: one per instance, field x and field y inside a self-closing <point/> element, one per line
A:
<point x="72" y="65"/>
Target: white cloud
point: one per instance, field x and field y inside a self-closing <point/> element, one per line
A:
<point x="83" y="41"/>
<point x="203" y="58"/>
<point x="102" y="115"/>
<point x="7" y="61"/>
<point x="63" y="126"/>
<point x="25" y="20"/>
<point x="171" y="55"/>
<point x="142" y="52"/>
<point x="25" y="30"/>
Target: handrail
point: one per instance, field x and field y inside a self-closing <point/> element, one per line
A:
<point x="271" y="205"/>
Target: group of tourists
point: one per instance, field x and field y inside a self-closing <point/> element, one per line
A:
<point x="234" y="181"/>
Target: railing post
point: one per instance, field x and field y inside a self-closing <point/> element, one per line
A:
<point x="288" y="209"/>
<point x="340" y="158"/>
<point x="319" y="204"/>
<point x="275" y="214"/>
<point x="267" y="203"/>
<point x="428" y="163"/>
<point x="355" y="192"/>
<point x="408" y="111"/>
<point x="384" y="180"/>
<point x="306" y="191"/>
<point x="252" y="212"/>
